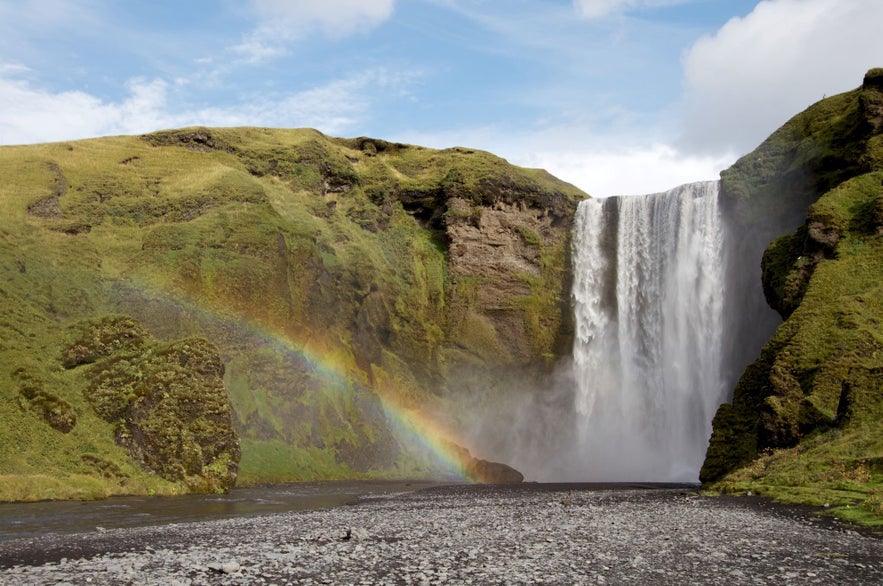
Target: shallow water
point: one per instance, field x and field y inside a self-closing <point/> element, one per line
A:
<point x="23" y="520"/>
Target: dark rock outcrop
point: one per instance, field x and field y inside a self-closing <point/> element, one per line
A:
<point x="493" y="472"/>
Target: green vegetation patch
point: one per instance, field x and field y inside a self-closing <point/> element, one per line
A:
<point x="804" y="423"/>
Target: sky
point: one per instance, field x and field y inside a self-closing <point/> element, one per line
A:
<point x="615" y="96"/>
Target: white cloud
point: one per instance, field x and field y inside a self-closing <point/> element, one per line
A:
<point x="261" y="45"/>
<point x="756" y="72"/>
<point x="334" y="108"/>
<point x="29" y="114"/>
<point x="284" y="21"/>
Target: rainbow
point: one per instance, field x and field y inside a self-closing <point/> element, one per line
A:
<point x="408" y="423"/>
<point x="412" y="426"/>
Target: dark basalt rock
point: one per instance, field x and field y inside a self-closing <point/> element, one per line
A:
<point x="483" y="471"/>
<point x="493" y="472"/>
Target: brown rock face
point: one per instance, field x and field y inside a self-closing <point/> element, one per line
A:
<point x="510" y="264"/>
<point x="501" y="246"/>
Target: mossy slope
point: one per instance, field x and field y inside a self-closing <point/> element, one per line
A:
<point x="806" y="420"/>
<point x="333" y="275"/>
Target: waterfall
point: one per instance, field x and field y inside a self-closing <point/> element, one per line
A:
<point x="648" y="351"/>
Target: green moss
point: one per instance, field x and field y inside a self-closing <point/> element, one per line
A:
<point x="786" y="271"/>
<point x="804" y="422"/>
<point x="51" y="409"/>
<point x="837" y="469"/>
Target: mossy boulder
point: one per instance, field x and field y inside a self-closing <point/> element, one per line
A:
<point x="49" y="407"/>
<point x="167" y="401"/>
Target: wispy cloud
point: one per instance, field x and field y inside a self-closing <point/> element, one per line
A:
<point x="47" y="14"/>
<point x="31" y="114"/>
<point x="336" y="107"/>
<point x="335" y="17"/>
<point x="600" y="8"/>
<point x="282" y="22"/>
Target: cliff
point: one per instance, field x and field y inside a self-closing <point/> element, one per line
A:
<point x="804" y="422"/>
<point x="313" y="302"/>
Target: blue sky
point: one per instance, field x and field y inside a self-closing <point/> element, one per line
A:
<point x="616" y="96"/>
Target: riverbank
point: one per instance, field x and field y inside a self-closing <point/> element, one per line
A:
<point x="471" y="535"/>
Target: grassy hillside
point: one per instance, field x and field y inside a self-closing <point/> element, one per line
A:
<point x="320" y="269"/>
<point x="806" y="420"/>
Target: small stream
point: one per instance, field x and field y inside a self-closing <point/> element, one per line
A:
<point x="26" y="520"/>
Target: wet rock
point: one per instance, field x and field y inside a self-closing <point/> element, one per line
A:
<point x="494" y="472"/>
<point x="483" y="471"/>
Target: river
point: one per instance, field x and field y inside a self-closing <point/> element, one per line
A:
<point x="24" y="520"/>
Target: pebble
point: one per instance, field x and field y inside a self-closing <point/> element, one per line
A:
<point x="470" y="535"/>
<point x="225" y="568"/>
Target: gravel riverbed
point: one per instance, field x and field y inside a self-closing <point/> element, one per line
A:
<point x="520" y="534"/>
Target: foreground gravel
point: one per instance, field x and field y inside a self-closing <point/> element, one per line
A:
<point x="471" y="535"/>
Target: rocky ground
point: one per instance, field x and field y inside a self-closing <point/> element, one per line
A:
<point x="517" y="534"/>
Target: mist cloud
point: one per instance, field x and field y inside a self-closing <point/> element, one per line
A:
<point x="753" y="74"/>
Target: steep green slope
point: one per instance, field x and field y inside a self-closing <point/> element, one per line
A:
<point x="348" y="285"/>
<point x="806" y="420"/>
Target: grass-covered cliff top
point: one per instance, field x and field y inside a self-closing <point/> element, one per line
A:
<point x="806" y="421"/>
<point x="318" y="267"/>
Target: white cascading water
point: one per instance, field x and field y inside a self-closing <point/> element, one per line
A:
<point x="648" y="291"/>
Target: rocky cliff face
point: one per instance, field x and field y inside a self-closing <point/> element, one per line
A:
<point x="806" y="413"/>
<point x="345" y="283"/>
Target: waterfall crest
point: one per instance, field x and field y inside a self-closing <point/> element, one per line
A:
<point x="648" y="351"/>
